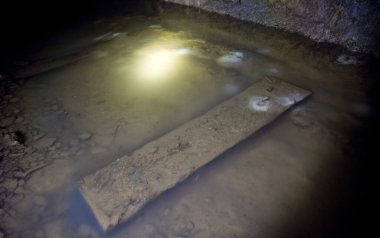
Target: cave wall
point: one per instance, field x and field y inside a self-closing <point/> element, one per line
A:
<point x="354" y="24"/>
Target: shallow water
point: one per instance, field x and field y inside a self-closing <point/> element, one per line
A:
<point x="103" y="102"/>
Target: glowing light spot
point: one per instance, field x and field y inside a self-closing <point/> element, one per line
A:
<point x="159" y="64"/>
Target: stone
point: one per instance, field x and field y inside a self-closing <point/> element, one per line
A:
<point x="85" y="136"/>
<point x="117" y="192"/>
<point x="6" y="122"/>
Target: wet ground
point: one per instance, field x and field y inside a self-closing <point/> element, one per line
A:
<point x="107" y="87"/>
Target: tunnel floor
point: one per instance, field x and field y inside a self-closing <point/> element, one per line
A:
<point x="89" y="97"/>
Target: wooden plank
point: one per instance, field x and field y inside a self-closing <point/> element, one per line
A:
<point x="118" y="191"/>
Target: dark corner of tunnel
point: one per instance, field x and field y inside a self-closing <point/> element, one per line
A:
<point x="30" y="24"/>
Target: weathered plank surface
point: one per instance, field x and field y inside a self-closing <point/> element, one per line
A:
<point x="118" y="191"/>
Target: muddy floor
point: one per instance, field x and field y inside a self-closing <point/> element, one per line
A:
<point x="107" y="87"/>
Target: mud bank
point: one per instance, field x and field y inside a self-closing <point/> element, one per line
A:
<point x="352" y="23"/>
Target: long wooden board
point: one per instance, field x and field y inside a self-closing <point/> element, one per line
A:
<point x="118" y="191"/>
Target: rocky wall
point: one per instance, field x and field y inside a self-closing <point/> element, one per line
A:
<point x="354" y="24"/>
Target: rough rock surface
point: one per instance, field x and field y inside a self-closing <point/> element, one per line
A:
<point x="352" y="23"/>
<point x="120" y="190"/>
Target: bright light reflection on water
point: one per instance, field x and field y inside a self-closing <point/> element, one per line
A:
<point x="158" y="64"/>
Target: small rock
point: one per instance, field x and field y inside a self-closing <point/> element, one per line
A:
<point x="7" y="121"/>
<point x="86" y="231"/>
<point x="46" y="142"/>
<point x="85" y="136"/>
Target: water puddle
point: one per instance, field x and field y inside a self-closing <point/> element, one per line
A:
<point x="130" y="80"/>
